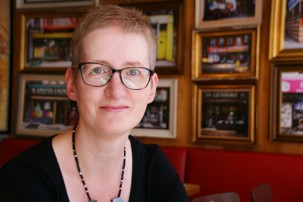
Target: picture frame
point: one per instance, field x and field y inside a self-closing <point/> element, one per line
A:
<point x="224" y="114"/>
<point x="286" y="43"/>
<point x="217" y="14"/>
<point x="225" y="55"/>
<point x="287" y="102"/>
<point x="160" y="118"/>
<point x="45" y="39"/>
<point x="43" y="107"/>
<point x="38" y="4"/>
<point x="166" y="19"/>
<point x="5" y="64"/>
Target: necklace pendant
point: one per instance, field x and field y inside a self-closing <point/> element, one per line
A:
<point x="117" y="199"/>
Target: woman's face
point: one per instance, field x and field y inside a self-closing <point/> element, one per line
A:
<point x="113" y="108"/>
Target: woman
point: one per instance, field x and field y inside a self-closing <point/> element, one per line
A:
<point x="112" y="80"/>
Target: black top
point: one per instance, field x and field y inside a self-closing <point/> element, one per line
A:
<point x="35" y="175"/>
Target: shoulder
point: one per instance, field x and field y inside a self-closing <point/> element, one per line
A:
<point x="33" y="174"/>
<point x="141" y="150"/>
<point x="33" y="154"/>
<point x="28" y="160"/>
<point x="152" y="170"/>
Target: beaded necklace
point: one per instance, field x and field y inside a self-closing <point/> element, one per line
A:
<point x="117" y="199"/>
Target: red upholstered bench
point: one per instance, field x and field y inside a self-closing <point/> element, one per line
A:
<point x="10" y="147"/>
<point x="240" y="171"/>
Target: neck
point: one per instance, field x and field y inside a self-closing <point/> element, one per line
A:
<point x="77" y="161"/>
<point x="106" y="145"/>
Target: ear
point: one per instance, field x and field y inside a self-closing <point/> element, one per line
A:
<point x="154" y="83"/>
<point x="70" y="85"/>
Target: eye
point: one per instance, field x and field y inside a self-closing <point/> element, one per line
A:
<point x="133" y="71"/>
<point x="99" y="70"/>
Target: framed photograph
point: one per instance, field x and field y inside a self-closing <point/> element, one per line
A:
<point x="4" y="65"/>
<point x="218" y="13"/>
<point x="31" y="4"/>
<point x="224" y="113"/>
<point x="46" y="39"/>
<point x="287" y="103"/>
<point x="286" y="39"/>
<point x="159" y="120"/>
<point x="43" y="107"/>
<point x="225" y="55"/>
<point x="166" y="20"/>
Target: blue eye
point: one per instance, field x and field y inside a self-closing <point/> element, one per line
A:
<point x="97" y="70"/>
<point x="133" y="72"/>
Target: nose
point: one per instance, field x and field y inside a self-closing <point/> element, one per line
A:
<point x="115" y="88"/>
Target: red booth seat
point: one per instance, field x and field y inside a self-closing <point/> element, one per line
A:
<point x="218" y="170"/>
<point x="10" y="147"/>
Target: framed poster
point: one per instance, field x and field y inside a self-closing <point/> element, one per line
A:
<point x="45" y="39"/>
<point x="286" y="41"/>
<point x="43" y="107"/>
<point x="32" y="4"/>
<point x="287" y="103"/>
<point x="166" y="20"/>
<point x="159" y="120"/>
<point x="218" y="13"/>
<point x="224" y="113"/>
<point x="225" y="55"/>
<point x="4" y="65"/>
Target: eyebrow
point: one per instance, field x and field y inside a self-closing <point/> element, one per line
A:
<point x="127" y="64"/>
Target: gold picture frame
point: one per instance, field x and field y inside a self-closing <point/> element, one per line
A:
<point x="227" y="14"/>
<point x="38" y="4"/>
<point x="285" y="43"/>
<point x="287" y="103"/>
<point x="225" y="55"/>
<point x="43" y="39"/>
<point x="224" y="114"/>
<point x="5" y="66"/>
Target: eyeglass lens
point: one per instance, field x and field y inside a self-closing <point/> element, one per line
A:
<point x="99" y="75"/>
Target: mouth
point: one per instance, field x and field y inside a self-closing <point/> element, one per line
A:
<point x="111" y="108"/>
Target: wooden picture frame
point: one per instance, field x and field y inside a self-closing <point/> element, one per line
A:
<point x="5" y="51"/>
<point x="160" y="117"/>
<point x="43" y="44"/>
<point x="224" y="114"/>
<point x="43" y="107"/>
<point x="38" y="4"/>
<point x="213" y="14"/>
<point x="286" y="42"/>
<point x="167" y="20"/>
<point x="286" y="102"/>
<point x="225" y="55"/>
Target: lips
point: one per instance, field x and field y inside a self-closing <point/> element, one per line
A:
<point x="113" y="108"/>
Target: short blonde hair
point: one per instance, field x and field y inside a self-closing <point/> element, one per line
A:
<point x="128" y="19"/>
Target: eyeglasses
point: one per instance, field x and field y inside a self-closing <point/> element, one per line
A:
<point x="95" y="74"/>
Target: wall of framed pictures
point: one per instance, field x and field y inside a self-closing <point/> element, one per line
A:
<point x="237" y="67"/>
<point x="225" y="66"/>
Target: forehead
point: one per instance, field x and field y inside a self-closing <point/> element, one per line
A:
<point x="112" y="44"/>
